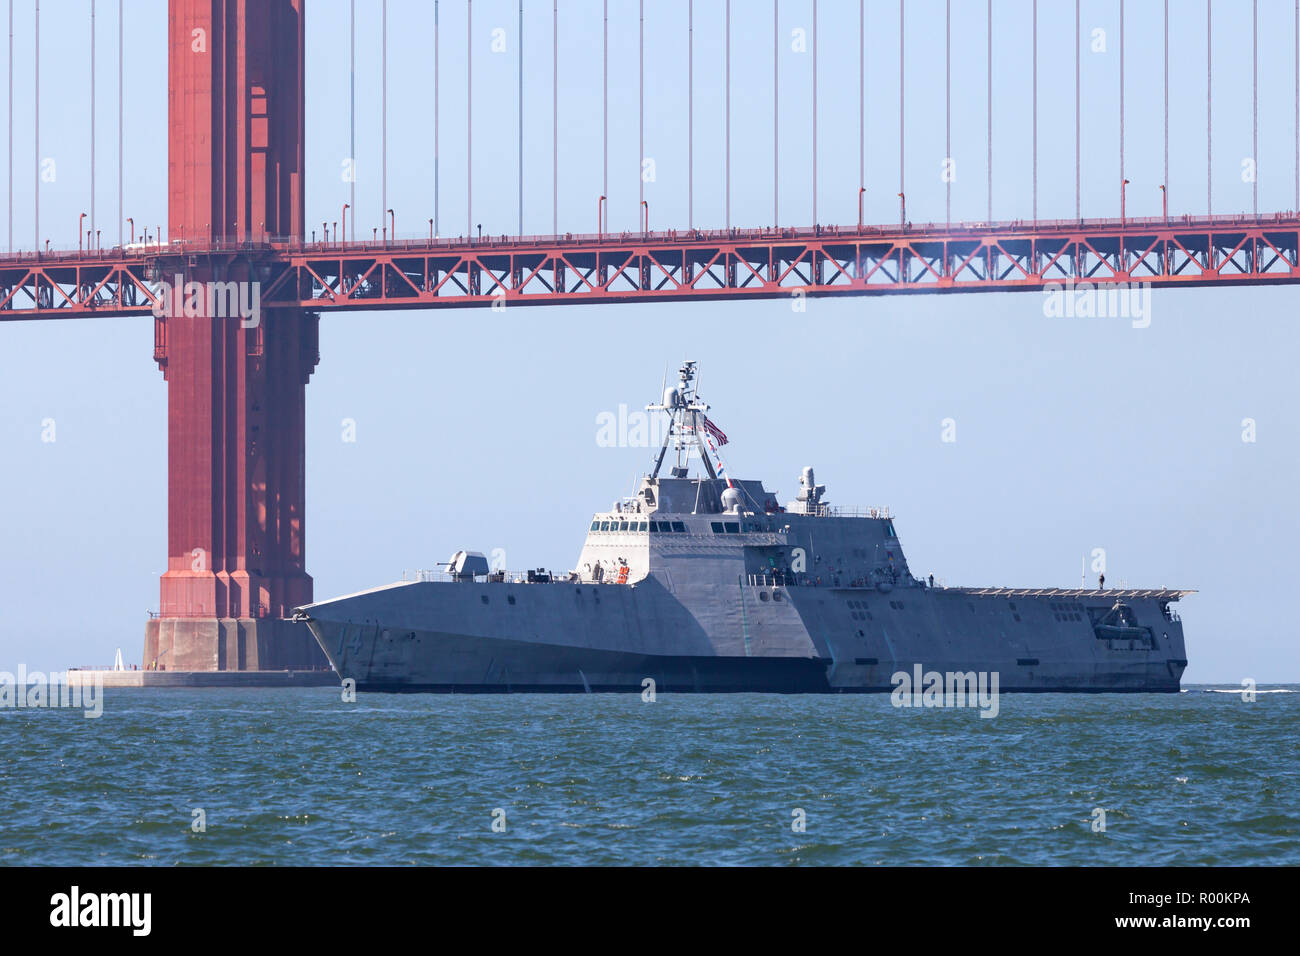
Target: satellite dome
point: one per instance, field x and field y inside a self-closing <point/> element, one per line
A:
<point x="672" y="397"/>
<point x="731" y="500"/>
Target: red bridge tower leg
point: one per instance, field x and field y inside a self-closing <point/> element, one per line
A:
<point x="236" y="376"/>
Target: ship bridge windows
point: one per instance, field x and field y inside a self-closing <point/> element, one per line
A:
<point x="659" y="527"/>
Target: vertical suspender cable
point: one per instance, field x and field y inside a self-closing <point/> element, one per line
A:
<point x="604" y="122"/>
<point x="1078" y="140"/>
<point x="690" y="115"/>
<point x="469" y="120"/>
<point x="902" y="201"/>
<point x="555" y="117"/>
<point x="521" y="117"/>
<point x="1254" y="103"/>
<point x="120" y="127"/>
<point x="727" y="111"/>
<point x="437" y="222"/>
<point x="352" y="112"/>
<point x="814" y="113"/>
<point x="862" y="93"/>
<point x="10" y="165"/>
<point x="383" y="116"/>
<point x="1165" y="181"/>
<point x="1209" y="112"/>
<point x="989" y="111"/>
<point x="1033" y="201"/>
<point x="1121" y="91"/>
<point x="1296" y="207"/>
<point x="36" y="141"/>
<point x="640" y="108"/>
<point x="92" y="120"/>
<point x="947" y="106"/>
<point x="776" y="115"/>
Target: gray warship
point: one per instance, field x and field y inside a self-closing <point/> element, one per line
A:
<point x="701" y="582"/>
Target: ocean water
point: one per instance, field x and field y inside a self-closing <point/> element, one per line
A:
<point x="301" y="777"/>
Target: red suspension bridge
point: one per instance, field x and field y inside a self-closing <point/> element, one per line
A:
<point x="236" y="389"/>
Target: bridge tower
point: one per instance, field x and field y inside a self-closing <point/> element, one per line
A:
<point x="236" y="376"/>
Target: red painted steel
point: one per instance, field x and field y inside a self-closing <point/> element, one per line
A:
<point x="677" y="265"/>
<point x="235" y="382"/>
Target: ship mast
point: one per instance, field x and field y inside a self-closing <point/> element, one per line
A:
<point x="685" y="410"/>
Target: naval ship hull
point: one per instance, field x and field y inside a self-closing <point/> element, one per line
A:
<point x="467" y="637"/>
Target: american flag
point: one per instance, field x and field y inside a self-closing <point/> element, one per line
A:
<point x="715" y="431"/>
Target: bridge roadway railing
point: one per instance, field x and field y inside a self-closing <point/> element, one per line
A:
<point x="669" y="265"/>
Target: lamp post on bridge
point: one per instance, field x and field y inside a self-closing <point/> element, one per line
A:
<point x="862" y="191"/>
<point x="902" y="210"/>
<point x="1123" y="215"/>
<point x="393" y="219"/>
<point x="131" y="222"/>
<point x="345" y="222"/>
<point x="80" y="223"/>
<point x="1164" y="203"/>
<point x="645" y="208"/>
<point x="600" y="217"/>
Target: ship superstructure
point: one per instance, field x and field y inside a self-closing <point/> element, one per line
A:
<point x="702" y="582"/>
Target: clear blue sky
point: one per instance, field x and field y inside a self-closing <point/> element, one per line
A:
<point x="1071" y="433"/>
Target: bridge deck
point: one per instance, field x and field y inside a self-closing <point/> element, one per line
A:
<point x="673" y="265"/>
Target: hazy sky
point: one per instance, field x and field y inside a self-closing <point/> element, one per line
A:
<point x="477" y="429"/>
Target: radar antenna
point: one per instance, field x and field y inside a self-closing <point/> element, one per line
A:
<point x="684" y="408"/>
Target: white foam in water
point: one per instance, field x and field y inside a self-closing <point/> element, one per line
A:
<point x="1239" y="690"/>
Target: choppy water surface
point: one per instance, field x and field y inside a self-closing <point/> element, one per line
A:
<point x="300" y="777"/>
